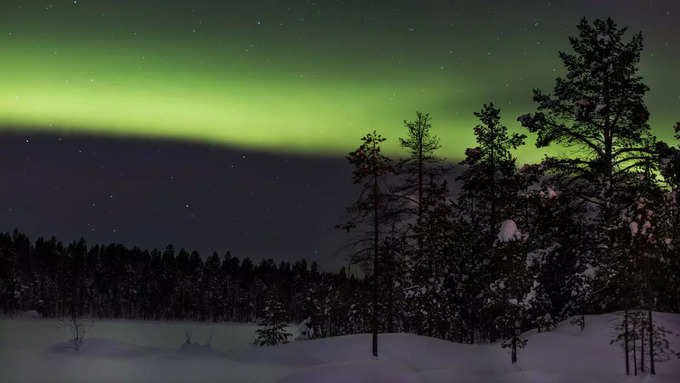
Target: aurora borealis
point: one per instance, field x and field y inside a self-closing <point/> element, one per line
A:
<point x="301" y="76"/>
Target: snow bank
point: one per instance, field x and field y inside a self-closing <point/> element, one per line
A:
<point x="30" y="314"/>
<point x="36" y="351"/>
<point x="103" y="348"/>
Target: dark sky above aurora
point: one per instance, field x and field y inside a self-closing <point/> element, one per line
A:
<point x="221" y="125"/>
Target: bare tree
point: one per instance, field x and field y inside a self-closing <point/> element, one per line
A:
<point x="77" y="328"/>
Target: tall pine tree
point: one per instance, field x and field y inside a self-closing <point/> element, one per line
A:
<point x="488" y="186"/>
<point x="371" y="169"/>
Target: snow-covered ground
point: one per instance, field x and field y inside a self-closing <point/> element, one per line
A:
<point x="33" y="350"/>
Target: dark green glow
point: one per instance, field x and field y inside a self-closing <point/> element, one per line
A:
<point x="292" y="76"/>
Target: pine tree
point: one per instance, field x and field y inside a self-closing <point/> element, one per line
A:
<point x="598" y="109"/>
<point x="488" y="186"/>
<point x="424" y="193"/>
<point x="371" y="168"/>
<point x="490" y="169"/>
<point x="420" y="168"/>
<point x="395" y="276"/>
<point x="598" y="112"/>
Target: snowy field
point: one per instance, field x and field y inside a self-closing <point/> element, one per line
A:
<point x="33" y="350"/>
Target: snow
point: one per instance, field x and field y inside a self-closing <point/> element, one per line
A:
<point x="29" y="314"/>
<point x="604" y="38"/>
<point x="509" y="231"/>
<point x="102" y="348"/>
<point x="199" y="350"/>
<point x="634" y="228"/>
<point x="356" y="372"/>
<point x="137" y="351"/>
<point x="550" y="194"/>
<point x="590" y="272"/>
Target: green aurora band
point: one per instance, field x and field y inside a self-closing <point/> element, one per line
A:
<point x="301" y="78"/>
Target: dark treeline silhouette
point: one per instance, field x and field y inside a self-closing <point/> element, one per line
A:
<point x="114" y="281"/>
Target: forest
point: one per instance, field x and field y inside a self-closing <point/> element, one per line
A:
<point x="478" y="251"/>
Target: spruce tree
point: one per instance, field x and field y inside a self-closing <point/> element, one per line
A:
<point x="273" y="329"/>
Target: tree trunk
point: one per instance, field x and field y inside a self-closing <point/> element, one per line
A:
<point x="472" y="335"/>
<point x="642" y="346"/>
<point x="634" y="357"/>
<point x="420" y="198"/>
<point x="390" y="283"/>
<point x="390" y="299"/>
<point x="625" y="339"/>
<point x="514" y="349"/>
<point x="374" y="319"/>
<point x="650" y="330"/>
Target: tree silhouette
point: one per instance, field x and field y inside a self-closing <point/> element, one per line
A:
<point x="487" y="191"/>
<point x="371" y="168"/>
<point x="598" y="110"/>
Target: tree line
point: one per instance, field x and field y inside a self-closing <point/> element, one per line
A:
<point x="115" y="281"/>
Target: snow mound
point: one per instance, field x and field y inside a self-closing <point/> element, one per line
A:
<point x="509" y="231"/>
<point x="30" y="314"/>
<point x="100" y="347"/>
<point x="371" y="371"/>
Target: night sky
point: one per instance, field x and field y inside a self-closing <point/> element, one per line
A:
<point x="218" y="125"/>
